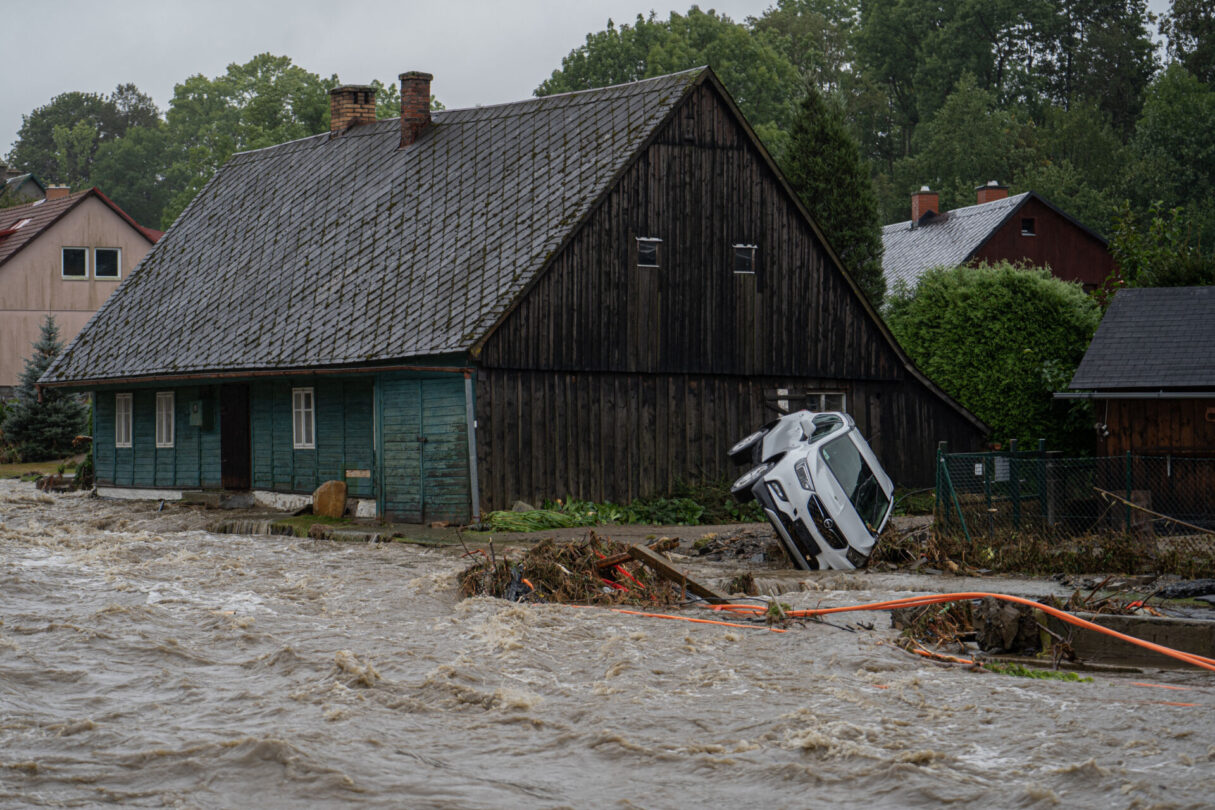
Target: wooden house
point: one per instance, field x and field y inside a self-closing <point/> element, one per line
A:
<point x="592" y="294"/>
<point x="60" y="256"/>
<point x="1150" y="371"/>
<point x="1024" y="228"/>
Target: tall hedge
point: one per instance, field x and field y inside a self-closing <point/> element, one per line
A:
<point x="1001" y="339"/>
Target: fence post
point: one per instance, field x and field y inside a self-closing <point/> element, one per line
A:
<point x="1014" y="482"/>
<point x="1129" y="486"/>
<point x="989" y="463"/>
<point x="944" y="513"/>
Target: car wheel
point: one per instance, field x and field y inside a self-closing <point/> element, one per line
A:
<point x="741" y="489"/>
<point x="741" y="451"/>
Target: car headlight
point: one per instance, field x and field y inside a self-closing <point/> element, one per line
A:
<point x="803" y="475"/>
<point x="778" y="490"/>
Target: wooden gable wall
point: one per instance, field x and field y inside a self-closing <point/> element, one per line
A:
<point x="1072" y="253"/>
<point x="613" y="381"/>
<point x="701" y="188"/>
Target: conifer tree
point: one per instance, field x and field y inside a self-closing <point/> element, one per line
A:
<point x="823" y="164"/>
<point x="43" y="430"/>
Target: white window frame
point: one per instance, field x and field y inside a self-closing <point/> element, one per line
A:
<point x="115" y="277"/>
<point x="303" y="418"/>
<point x="63" y="265"/>
<point x="813" y="400"/>
<point x="754" y="249"/>
<point x="124" y="408"/>
<point x="165" y="416"/>
<point x="657" y="243"/>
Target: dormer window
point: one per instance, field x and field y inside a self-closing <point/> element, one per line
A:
<point x="744" y="258"/>
<point x="648" y="251"/>
<point x="1027" y="226"/>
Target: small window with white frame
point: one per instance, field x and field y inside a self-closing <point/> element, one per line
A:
<point x="744" y="259"/>
<point x="303" y="418"/>
<point x="649" y="250"/>
<point x="787" y="400"/>
<point x="107" y="263"/>
<point x="164" y="418"/>
<point x="122" y="420"/>
<point x="74" y="263"/>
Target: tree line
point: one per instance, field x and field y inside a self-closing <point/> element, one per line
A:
<point x="152" y="163"/>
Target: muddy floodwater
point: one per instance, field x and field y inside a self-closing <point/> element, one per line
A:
<point x="145" y="662"/>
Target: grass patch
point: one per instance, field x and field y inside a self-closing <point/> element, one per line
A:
<point x="697" y="504"/>
<point x="31" y="470"/>
<point x="1021" y="671"/>
<point x="914" y="501"/>
<point x="300" y="524"/>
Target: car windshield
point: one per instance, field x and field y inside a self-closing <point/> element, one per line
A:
<point x="856" y="479"/>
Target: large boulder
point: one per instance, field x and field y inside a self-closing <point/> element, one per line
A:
<point x="329" y="500"/>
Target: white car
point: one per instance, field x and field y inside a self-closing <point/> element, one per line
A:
<point x="820" y="486"/>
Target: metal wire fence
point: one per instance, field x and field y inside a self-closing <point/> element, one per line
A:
<point x="1158" y="509"/>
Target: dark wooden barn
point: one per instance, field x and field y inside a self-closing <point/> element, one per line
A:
<point x="591" y="294"/>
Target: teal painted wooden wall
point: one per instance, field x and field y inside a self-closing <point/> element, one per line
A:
<point x="425" y="449"/>
<point x="422" y="422"/>
<point x="192" y="462"/>
<point x="344" y="411"/>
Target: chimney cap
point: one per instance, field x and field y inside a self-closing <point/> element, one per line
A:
<point x="924" y="189"/>
<point x="990" y="184"/>
<point x="416" y="74"/>
<point x="346" y="88"/>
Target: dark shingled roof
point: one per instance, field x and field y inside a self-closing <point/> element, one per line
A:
<point x="1153" y="338"/>
<point x="947" y="239"/>
<point x="333" y="251"/>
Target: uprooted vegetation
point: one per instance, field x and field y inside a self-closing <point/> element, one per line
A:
<point x="594" y="570"/>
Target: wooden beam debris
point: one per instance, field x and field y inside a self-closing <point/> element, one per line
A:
<point x="668" y="571"/>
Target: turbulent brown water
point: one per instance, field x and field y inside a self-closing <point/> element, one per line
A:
<point x="145" y="667"/>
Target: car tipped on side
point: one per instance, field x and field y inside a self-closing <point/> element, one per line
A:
<point x="820" y="486"/>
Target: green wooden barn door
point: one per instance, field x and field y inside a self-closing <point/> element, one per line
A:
<point x="445" y="485"/>
<point x="402" y="474"/>
<point x="425" y="440"/>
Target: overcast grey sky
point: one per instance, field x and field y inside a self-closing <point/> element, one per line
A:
<point x="480" y="51"/>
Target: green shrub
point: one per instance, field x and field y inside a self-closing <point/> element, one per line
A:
<point x="1001" y="339"/>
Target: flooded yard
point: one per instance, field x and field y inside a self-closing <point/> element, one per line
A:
<point x="145" y="662"/>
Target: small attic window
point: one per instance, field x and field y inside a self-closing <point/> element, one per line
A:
<point x="744" y="258"/>
<point x="21" y="224"/>
<point x="647" y="251"/>
<point x="75" y="263"/>
<point x="1028" y="226"/>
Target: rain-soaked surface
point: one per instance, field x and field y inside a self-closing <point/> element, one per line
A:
<point x="149" y="667"/>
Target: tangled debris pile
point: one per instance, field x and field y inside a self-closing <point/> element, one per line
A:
<point x="749" y="544"/>
<point x="595" y="570"/>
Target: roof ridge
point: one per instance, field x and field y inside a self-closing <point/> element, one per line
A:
<point x="439" y="114"/>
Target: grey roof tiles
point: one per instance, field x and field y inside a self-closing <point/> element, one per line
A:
<point x="330" y="251"/>
<point x="947" y="239"/>
<point x="1152" y="339"/>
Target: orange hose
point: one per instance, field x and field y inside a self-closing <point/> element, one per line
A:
<point x="936" y="599"/>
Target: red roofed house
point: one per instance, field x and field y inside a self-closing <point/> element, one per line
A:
<point x="60" y="256"/>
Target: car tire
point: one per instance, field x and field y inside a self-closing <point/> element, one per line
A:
<point x="741" y="451"/>
<point x="741" y="489"/>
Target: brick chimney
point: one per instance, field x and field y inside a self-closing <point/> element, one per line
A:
<point x="922" y="202"/>
<point x="351" y="104"/>
<point x="57" y="192"/>
<point x="991" y="191"/>
<point x="415" y="105"/>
